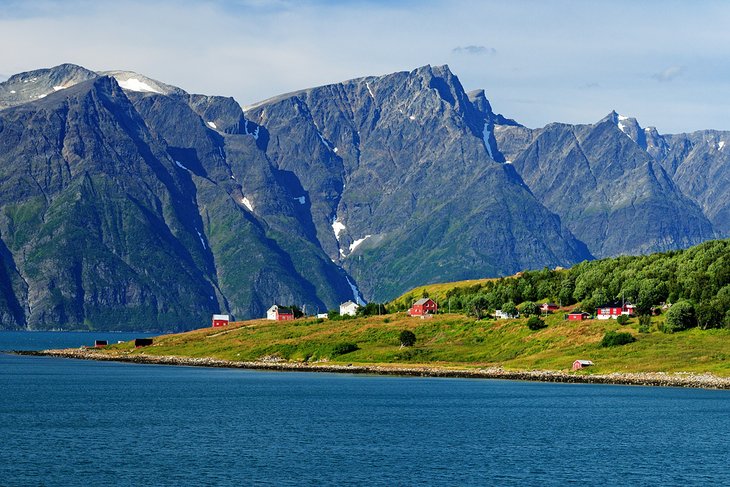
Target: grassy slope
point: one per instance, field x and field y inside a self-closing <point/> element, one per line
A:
<point x="456" y="340"/>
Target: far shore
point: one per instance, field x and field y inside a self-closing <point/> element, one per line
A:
<point x="661" y="379"/>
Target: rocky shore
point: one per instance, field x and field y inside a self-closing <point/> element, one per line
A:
<point x="680" y="379"/>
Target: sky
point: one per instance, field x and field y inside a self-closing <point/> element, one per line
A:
<point x="664" y="62"/>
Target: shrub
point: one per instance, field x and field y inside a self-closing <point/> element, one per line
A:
<point x="407" y="338"/>
<point x="614" y="339"/>
<point x="342" y="349"/>
<point x="622" y="320"/>
<point x="535" y="323"/>
<point x="644" y="323"/>
<point x="680" y="317"/>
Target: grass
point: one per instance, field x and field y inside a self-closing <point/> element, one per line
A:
<point x="454" y="340"/>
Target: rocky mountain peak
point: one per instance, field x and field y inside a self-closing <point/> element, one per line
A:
<point x="37" y="84"/>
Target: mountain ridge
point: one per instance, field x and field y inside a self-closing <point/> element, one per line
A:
<point x="376" y="184"/>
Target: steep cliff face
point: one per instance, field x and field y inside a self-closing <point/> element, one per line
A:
<point x="404" y="181"/>
<point x="605" y="186"/>
<point x="699" y="163"/>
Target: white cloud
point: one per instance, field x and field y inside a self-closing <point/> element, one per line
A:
<point x="668" y="74"/>
<point x="474" y="50"/>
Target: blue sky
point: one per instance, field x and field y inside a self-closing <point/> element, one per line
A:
<point x="665" y="63"/>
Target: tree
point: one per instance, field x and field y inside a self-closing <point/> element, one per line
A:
<point x="529" y="308"/>
<point x="709" y="315"/>
<point x="407" y="338"/>
<point x="680" y="317"/>
<point x="535" y="323"/>
<point x="478" y="306"/>
<point x="509" y="308"/>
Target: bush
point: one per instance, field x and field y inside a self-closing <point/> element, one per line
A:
<point x="407" y="338"/>
<point x="343" y="348"/>
<point x="680" y="317"/>
<point x="622" y="320"/>
<point x="644" y="323"/>
<point x="535" y="323"/>
<point x="614" y="339"/>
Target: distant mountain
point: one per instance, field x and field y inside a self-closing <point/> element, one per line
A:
<point x="606" y="186"/>
<point x="128" y="203"/>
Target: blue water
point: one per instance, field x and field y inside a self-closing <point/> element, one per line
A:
<point x="66" y="422"/>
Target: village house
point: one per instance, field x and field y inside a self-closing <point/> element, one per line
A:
<point x="549" y="307"/>
<point x="348" y="308"/>
<point x="279" y="313"/>
<point x="221" y="320"/>
<point x="614" y="310"/>
<point x="423" y="307"/>
<point x="578" y="316"/>
<point x="501" y="315"/>
<point x="582" y="364"/>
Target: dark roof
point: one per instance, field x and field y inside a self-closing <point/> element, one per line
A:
<point x="422" y="301"/>
<point x="610" y="305"/>
<point x="578" y="313"/>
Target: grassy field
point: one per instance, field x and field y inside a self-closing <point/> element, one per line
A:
<point x="451" y="339"/>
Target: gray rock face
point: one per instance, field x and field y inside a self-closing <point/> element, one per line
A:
<point x="605" y="185"/>
<point x="404" y="185"/>
<point x="699" y="163"/>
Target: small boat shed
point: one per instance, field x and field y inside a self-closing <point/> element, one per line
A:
<point x="582" y="364"/>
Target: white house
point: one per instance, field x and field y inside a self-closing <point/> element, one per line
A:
<point x="501" y="315"/>
<point x="348" y="308"/>
<point x="279" y="313"/>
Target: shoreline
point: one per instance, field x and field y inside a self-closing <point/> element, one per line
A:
<point x="657" y="379"/>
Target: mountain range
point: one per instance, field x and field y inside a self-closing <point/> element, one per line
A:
<point x="128" y="203"/>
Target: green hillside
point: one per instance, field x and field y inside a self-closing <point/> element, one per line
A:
<point x="690" y="335"/>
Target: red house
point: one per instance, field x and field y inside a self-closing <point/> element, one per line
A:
<point x="614" y="310"/>
<point x="578" y="316"/>
<point x="423" y="307"/>
<point x="547" y="307"/>
<point x="221" y="320"/>
<point x="279" y="313"/>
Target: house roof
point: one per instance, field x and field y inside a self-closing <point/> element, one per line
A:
<point x="610" y="305"/>
<point x="577" y="313"/>
<point x="348" y="303"/>
<point x="584" y="362"/>
<point x="422" y="301"/>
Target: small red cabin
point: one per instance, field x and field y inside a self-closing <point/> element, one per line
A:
<point x="578" y="316"/>
<point x="100" y="343"/>
<point x="423" y="307"/>
<point x="221" y="320"/>
<point x="547" y="307"/>
<point x="582" y="364"/>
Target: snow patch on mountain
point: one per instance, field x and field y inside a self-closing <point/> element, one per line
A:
<point x="179" y="164"/>
<point x="301" y="199"/>
<point x="357" y="243"/>
<point x="720" y="145"/>
<point x="200" y="236"/>
<point x="212" y="125"/>
<point x="247" y="203"/>
<point x="254" y="134"/>
<point x="134" y="84"/>
<point x="337" y="227"/>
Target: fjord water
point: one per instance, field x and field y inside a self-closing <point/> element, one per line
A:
<point x="67" y="422"/>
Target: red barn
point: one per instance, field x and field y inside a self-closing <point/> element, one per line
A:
<point x="582" y="364"/>
<point x="279" y="313"/>
<point x="578" y="316"/>
<point x="614" y="310"/>
<point x="221" y="320"/>
<point x="423" y="307"/>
